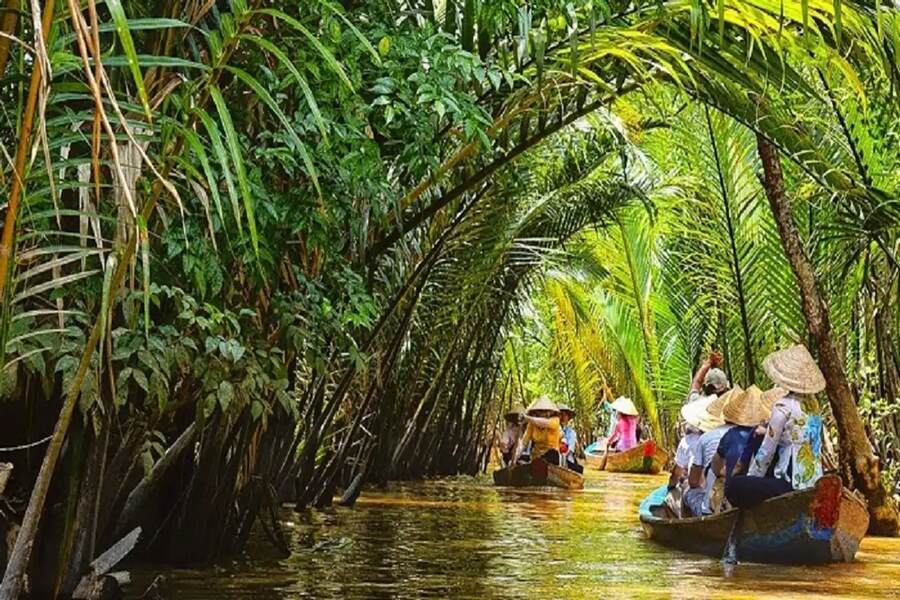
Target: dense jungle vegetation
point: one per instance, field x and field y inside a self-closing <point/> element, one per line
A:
<point x="256" y="251"/>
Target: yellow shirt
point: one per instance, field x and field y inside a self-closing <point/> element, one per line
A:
<point x="544" y="438"/>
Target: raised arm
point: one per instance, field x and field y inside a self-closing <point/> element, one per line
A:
<point x="700" y="375"/>
<point x="713" y="361"/>
<point x="540" y="422"/>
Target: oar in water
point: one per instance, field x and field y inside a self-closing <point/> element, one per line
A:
<point x="730" y="556"/>
<point x="605" y="457"/>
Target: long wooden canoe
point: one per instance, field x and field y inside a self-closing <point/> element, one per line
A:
<point x="646" y="457"/>
<point x="820" y="525"/>
<point x="539" y="473"/>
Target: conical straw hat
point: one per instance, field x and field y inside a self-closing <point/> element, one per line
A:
<point x="715" y="407"/>
<point x="746" y="408"/>
<point x="517" y="409"/>
<point x="770" y="397"/>
<point x="567" y="408"/>
<point x="694" y="413"/>
<point x="794" y="370"/>
<point x="542" y="403"/>
<point x="625" y="406"/>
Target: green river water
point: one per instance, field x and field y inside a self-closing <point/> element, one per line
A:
<point x="464" y="538"/>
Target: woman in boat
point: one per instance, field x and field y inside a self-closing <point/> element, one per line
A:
<point x="793" y="440"/>
<point x="700" y="477"/>
<point x="509" y="439"/>
<point x="569" y="440"/>
<point x="624" y="436"/>
<point x="746" y="412"/>
<point x="543" y="431"/>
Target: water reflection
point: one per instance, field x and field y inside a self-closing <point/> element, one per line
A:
<point x="464" y="538"/>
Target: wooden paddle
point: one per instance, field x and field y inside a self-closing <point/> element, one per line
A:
<point x="604" y="459"/>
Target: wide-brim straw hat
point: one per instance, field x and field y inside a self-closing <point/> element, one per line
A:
<point x="795" y="370"/>
<point x="542" y="403"/>
<point x="517" y="410"/>
<point x="715" y="407"/>
<point x="625" y="406"/>
<point x="566" y="408"/>
<point x="746" y="408"/>
<point x="694" y="413"/>
<point x="771" y="396"/>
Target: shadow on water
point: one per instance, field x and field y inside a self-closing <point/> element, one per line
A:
<point x="464" y="538"/>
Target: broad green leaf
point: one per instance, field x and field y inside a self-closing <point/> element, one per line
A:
<point x="226" y="395"/>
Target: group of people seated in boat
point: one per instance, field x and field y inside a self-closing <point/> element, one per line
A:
<point x="740" y="446"/>
<point x="548" y="434"/>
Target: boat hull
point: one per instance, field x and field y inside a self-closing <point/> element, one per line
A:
<point x="539" y="473"/>
<point x="646" y="457"/>
<point x="820" y="525"/>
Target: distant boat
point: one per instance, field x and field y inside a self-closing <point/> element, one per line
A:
<point x="646" y="457"/>
<point x="539" y="473"/>
<point x="822" y="524"/>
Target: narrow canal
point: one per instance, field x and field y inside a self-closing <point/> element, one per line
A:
<point x="464" y="538"/>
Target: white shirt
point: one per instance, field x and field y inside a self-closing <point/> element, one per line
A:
<point x="797" y="445"/>
<point x="707" y="446"/>
<point x="687" y="448"/>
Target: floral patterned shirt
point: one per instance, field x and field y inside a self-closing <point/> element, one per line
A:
<point x="796" y="439"/>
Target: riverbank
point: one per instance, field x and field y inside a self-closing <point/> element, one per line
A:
<point x="464" y="538"/>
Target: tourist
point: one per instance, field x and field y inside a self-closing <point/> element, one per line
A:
<point x="700" y="477"/>
<point x="509" y="439"/>
<point x="793" y="438"/>
<point x="693" y="415"/>
<point x="745" y="411"/>
<point x="569" y="440"/>
<point x="543" y="430"/>
<point x="709" y="380"/>
<point x="624" y="435"/>
<point x="769" y="397"/>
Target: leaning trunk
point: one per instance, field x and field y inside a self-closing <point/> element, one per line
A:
<point x="859" y="463"/>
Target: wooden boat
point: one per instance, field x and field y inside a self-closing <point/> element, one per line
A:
<point x="539" y="473"/>
<point x="593" y="454"/>
<point x="820" y="525"/>
<point x="646" y="457"/>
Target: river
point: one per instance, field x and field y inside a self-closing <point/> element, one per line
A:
<point x="464" y="538"/>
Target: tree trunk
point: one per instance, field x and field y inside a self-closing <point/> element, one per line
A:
<point x="859" y="463"/>
<point x="8" y="22"/>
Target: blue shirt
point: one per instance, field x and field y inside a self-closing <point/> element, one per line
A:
<point x="732" y="447"/>
<point x="571" y="438"/>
